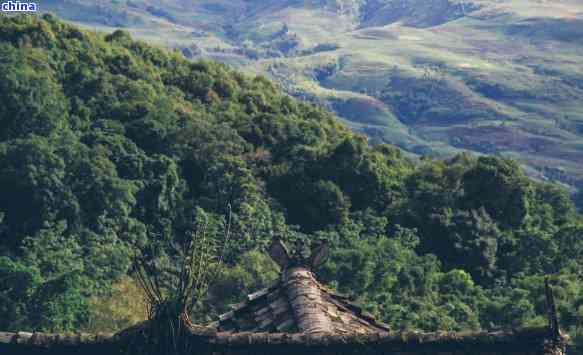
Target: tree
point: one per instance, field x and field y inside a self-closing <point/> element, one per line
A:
<point x="468" y="240"/>
<point x="501" y="188"/>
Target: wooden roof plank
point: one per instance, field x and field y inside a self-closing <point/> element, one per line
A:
<point x="258" y="294"/>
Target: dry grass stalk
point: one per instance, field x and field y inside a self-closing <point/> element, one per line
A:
<point x="170" y="306"/>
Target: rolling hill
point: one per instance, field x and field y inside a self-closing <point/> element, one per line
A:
<point x="500" y="77"/>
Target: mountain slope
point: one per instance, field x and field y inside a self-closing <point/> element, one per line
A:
<point x="111" y="149"/>
<point x="498" y="77"/>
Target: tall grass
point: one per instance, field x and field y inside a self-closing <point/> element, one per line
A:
<point x="173" y="290"/>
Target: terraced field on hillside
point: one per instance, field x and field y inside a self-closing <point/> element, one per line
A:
<point x="433" y="77"/>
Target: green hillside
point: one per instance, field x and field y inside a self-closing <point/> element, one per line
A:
<point x="112" y="149"/>
<point x="433" y="77"/>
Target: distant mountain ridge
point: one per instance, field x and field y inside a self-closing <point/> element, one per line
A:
<point x="433" y="77"/>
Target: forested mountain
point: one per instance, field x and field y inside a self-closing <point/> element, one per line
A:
<point x="435" y="77"/>
<point x="111" y="147"/>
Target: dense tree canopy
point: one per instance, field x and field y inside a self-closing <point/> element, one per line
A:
<point x="110" y="148"/>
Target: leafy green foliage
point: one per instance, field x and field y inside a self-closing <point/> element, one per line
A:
<point x="109" y="147"/>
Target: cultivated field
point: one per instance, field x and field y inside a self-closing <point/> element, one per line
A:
<point x="434" y="77"/>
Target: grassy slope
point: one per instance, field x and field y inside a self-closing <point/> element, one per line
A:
<point x="506" y="78"/>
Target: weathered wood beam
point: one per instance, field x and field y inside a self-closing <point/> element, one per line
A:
<point x="525" y="337"/>
<point x="210" y="335"/>
<point x="46" y="340"/>
<point x="6" y="338"/>
<point x="532" y="341"/>
<point x="25" y="343"/>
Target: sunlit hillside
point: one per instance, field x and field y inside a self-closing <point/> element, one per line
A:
<point x="491" y="76"/>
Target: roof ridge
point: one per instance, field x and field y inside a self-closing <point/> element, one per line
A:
<point x="510" y="341"/>
<point x="305" y="297"/>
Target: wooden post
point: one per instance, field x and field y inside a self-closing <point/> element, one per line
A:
<point x="556" y="344"/>
<point x="552" y="311"/>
